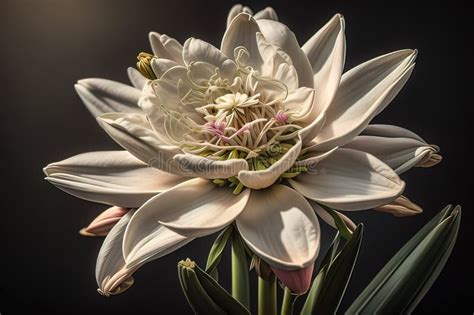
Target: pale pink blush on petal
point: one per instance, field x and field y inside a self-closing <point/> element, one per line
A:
<point x="298" y="281"/>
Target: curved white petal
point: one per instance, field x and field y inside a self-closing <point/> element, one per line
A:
<point x="136" y="78"/>
<point x="364" y="91"/>
<point x="166" y="47"/>
<point x="390" y="131"/>
<point x="110" y="272"/>
<point x="280" y="35"/>
<point x="104" y="96"/>
<point x="280" y="226"/>
<point x="401" y="154"/>
<point x="299" y="103"/>
<point x="265" y="178"/>
<point x="196" y="208"/>
<point x="242" y="31"/>
<point x="326" y="53"/>
<point x="161" y="65"/>
<point x="399" y="148"/>
<point x="198" y="166"/>
<point x="323" y="214"/>
<point x="266" y="14"/>
<point x="110" y="177"/>
<point x="235" y="10"/>
<point x="196" y="50"/>
<point x="310" y="131"/>
<point x="311" y="159"/>
<point x="350" y="180"/>
<point x="134" y="134"/>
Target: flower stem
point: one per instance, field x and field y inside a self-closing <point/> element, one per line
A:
<point x="267" y="296"/>
<point x="240" y="274"/>
<point x="288" y="302"/>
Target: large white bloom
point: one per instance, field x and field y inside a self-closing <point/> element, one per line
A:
<point x="259" y="132"/>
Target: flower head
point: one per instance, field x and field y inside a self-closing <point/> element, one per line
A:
<point x="260" y="132"/>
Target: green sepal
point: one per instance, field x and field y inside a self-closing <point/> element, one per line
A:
<point x="405" y="279"/>
<point x="331" y="282"/>
<point x="340" y="224"/>
<point x="217" y="249"/>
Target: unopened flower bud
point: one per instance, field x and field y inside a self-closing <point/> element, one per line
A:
<point x="104" y="222"/>
<point x="298" y="281"/>
<point x="401" y="207"/>
<point x="144" y="65"/>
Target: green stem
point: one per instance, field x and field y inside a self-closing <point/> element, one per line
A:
<point x="267" y="296"/>
<point x="288" y="302"/>
<point x="240" y="273"/>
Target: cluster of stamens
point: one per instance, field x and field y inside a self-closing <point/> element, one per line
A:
<point x="239" y="120"/>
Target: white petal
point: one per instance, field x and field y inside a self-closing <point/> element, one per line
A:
<point x="196" y="208"/>
<point x="276" y="63"/>
<point x="265" y="178"/>
<point x="323" y="214"/>
<point x="166" y="47"/>
<point x="161" y="65"/>
<point x="350" y="180"/>
<point x="242" y="31"/>
<point x="298" y="104"/>
<point x="326" y="53"/>
<point x="110" y="177"/>
<point x="280" y="226"/>
<point x="104" y="96"/>
<point x="310" y="131"/>
<point x="400" y="148"/>
<point x="364" y="91"/>
<point x="235" y="10"/>
<point x="198" y="166"/>
<point x="196" y="50"/>
<point x="134" y="134"/>
<point x="266" y="14"/>
<point x="311" y="159"/>
<point x="136" y="78"/>
<point x="110" y="262"/>
<point x="279" y="35"/>
<point x="390" y="131"/>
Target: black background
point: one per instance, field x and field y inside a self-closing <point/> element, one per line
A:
<point x="47" y="45"/>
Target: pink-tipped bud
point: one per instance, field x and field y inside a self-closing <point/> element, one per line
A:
<point x="298" y="281"/>
<point x="104" y="222"/>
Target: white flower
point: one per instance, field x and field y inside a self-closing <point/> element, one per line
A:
<point x="259" y="132"/>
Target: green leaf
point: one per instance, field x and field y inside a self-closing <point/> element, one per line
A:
<point x="204" y="294"/>
<point x="406" y="278"/>
<point x="331" y="283"/>
<point x="216" y="251"/>
<point x="315" y="290"/>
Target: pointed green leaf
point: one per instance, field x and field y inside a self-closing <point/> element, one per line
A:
<point x="331" y="283"/>
<point x="219" y="295"/>
<point x="313" y="293"/>
<point x="216" y="251"/>
<point x="406" y="278"/>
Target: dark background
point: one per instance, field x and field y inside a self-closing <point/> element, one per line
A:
<point x="47" y="45"/>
